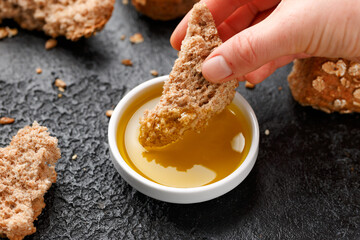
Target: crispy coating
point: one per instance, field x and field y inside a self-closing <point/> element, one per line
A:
<point x="26" y="173"/>
<point x="70" y="18"/>
<point x="330" y="85"/>
<point x="163" y="9"/>
<point x="188" y="101"/>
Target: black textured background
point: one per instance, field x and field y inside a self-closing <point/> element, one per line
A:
<point x="305" y="184"/>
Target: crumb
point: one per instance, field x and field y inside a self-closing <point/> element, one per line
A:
<point x="38" y="70"/>
<point x="127" y="62"/>
<point x="61" y="89"/>
<point x="125" y="2"/>
<point x="8" y="32"/>
<point x="280" y="88"/>
<point x="267" y="132"/>
<point x="27" y="172"/>
<point x="60" y="83"/>
<point x="74" y="157"/>
<point x="122" y="38"/>
<point x="51" y="43"/>
<point x="154" y="73"/>
<point x="249" y="85"/>
<point x="3" y="33"/>
<point x="11" y="32"/>
<point x="109" y="113"/>
<point x="6" y="120"/>
<point x="59" y="95"/>
<point x="136" y="38"/>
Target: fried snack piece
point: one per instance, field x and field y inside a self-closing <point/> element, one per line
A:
<point x="326" y="84"/>
<point x="188" y="101"/>
<point x="70" y="18"/>
<point x="26" y="173"/>
<point x="163" y="9"/>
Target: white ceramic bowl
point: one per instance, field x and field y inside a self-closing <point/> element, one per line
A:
<point x="172" y="194"/>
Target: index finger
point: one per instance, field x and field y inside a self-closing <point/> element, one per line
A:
<point x="227" y="8"/>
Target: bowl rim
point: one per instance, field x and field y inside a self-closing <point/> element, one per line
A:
<point x="113" y="148"/>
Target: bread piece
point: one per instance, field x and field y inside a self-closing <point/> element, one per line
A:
<point x="163" y="9"/>
<point x="326" y="84"/>
<point x="26" y="173"/>
<point x="188" y="100"/>
<point x="70" y="18"/>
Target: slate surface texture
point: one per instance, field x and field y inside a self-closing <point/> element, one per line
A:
<point x="305" y="184"/>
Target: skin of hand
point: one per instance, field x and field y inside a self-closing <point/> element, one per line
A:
<point x="262" y="35"/>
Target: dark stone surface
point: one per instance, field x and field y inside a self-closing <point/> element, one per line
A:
<point x="305" y="184"/>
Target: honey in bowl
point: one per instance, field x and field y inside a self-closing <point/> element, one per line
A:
<point x="196" y="160"/>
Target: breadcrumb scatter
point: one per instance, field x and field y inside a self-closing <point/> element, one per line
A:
<point x="27" y="170"/>
<point x="70" y="18"/>
<point x="59" y="95"/>
<point x="136" y="38"/>
<point x="127" y="62"/>
<point x="249" y="85"/>
<point x="267" y="132"/>
<point x="125" y="2"/>
<point x="7" y="32"/>
<point x="154" y="73"/>
<point x="74" y="157"/>
<point x="188" y="101"/>
<point x="51" y="43"/>
<point x="6" y="120"/>
<point x="122" y="37"/>
<point x="109" y="113"/>
<point x="60" y="83"/>
<point x="38" y="70"/>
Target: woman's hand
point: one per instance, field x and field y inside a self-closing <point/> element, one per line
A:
<point x="262" y="35"/>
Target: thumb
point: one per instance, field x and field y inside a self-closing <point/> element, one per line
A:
<point x="250" y="49"/>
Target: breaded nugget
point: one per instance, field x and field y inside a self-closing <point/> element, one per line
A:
<point x="188" y="100"/>
<point x="26" y="173"/>
<point x="163" y="9"/>
<point x="326" y="84"/>
<point x="70" y="18"/>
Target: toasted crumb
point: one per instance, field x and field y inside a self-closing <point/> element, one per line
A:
<point x="280" y="88"/>
<point x="51" y="43"/>
<point x="6" y="120"/>
<point x="59" y="95"/>
<point x="12" y="32"/>
<point x="74" y="157"/>
<point x="267" y="132"/>
<point x="60" y="83"/>
<point x="125" y="2"/>
<point x="61" y="89"/>
<point x="3" y="33"/>
<point x="27" y="171"/>
<point x="109" y="113"/>
<point x="154" y="73"/>
<point x="38" y="70"/>
<point x="136" y="38"/>
<point x="249" y="85"/>
<point x="122" y="37"/>
<point x="127" y="62"/>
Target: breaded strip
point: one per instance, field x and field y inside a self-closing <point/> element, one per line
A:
<point x="330" y="85"/>
<point x="70" y="18"/>
<point x="26" y="173"/>
<point x="188" y="100"/>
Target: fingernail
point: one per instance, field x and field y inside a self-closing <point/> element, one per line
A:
<point x="215" y="69"/>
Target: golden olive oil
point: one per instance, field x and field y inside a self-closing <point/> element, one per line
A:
<point x="196" y="160"/>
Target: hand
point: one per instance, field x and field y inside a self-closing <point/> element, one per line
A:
<point x="262" y="35"/>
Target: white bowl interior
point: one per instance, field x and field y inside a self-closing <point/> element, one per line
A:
<point x="172" y="194"/>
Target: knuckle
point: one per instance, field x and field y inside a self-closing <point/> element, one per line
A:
<point x="244" y="50"/>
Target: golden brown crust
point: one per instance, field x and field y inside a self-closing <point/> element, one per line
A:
<point x="326" y="84"/>
<point x="70" y="18"/>
<point x="26" y="173"/>
<point x="188" y="100"/>
<point x="163" y="9"/>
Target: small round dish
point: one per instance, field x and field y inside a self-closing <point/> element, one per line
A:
<point x="173" y="194"/>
